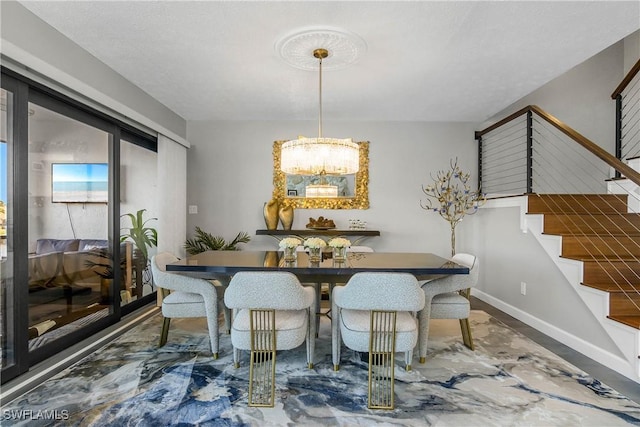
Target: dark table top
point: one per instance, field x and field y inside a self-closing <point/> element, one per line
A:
<point x="223" y="264"/>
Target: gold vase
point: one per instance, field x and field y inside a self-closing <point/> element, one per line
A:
<point x="286" y="217"/>
<point x="270" y="212"/>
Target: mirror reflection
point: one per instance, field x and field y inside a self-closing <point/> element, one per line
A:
<point x="322" y="191"/>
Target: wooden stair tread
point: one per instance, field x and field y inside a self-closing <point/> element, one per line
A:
<point x="600" y="258"/>
<point x="611" y="224"/>
<point x="623" y="287"/>
<point x="599" y="231"/>
<point x="633" y="321"/>
<point x="577" y="203"/>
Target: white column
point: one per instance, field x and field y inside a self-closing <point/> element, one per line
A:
<point x="172" y="196"/>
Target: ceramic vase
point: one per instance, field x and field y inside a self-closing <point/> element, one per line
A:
<point x="286" y="217"/>
<point x="270" y="212"/>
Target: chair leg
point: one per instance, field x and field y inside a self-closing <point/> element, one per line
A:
<point x="336" y="339"/>
<point x="310" y="341"/>
<point x="465" y="327"/>
<point x="318" y="301"/>
<point x="262" y="368"/>
<point x="382" y="347"/>
<point x="236" y="358"/>
<point x="164" y="333"/>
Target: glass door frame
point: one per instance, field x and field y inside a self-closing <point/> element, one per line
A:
<point x="17" y="207"/>
<point x="25" y="91"/>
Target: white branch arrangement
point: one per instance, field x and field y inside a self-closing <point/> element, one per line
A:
<point x="451" y="196"/>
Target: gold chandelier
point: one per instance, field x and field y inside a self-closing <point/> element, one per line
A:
<point x="320" y="156"/>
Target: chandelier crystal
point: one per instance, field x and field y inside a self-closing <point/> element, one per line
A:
<point x="314" y="156"/>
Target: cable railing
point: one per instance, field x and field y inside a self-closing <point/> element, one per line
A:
<point x="579" y="185"/>
<point x="627" y="96"/>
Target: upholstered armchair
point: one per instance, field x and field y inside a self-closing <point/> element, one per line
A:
<point x="189" y="297"/>
<point x="294" y="307"/>
<point x="271" y="311"/>
<point x="375" y="313"/>
<point x="448" y="298"/>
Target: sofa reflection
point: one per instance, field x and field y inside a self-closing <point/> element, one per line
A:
<point x="70" y="277"/>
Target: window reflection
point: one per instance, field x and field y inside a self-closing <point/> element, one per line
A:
<point x="138" y="179"/>
<point x="70" y="267"/>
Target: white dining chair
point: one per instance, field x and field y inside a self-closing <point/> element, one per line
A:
<point x="448" y="298"/>
<point x="189" y="297"/>
<point x="271" y="311"/>
<point x="375" y="313"/>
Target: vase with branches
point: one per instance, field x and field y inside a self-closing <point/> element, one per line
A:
<point x="451" y="196"/>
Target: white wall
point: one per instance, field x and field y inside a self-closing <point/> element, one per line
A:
<point x="63" y="141"/>
<point x="631" y="51"/>
<point x="581" y="97"/>
<point x="230" y="176"/>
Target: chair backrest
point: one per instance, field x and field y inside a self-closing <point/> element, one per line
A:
<point x="161" y="260"/>
<point x="277" y="290"/>
<point x="381" y="291"/>
<point x="470" y="261"/>
<point x="454" y="282"/>
<point x="359" y="249"/>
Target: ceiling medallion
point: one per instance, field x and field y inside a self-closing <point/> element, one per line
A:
<point x="296" y="48"/>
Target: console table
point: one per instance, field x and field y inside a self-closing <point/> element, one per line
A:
<point x="308" y="232"/>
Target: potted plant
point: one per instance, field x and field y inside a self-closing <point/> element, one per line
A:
<point x="143" y="238"/>
<point x="101" y="263"/>
<point x="204" y="241"/>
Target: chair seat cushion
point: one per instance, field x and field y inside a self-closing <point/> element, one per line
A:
<point x="355" y="324"/>
<point x="291" y="329"/>
<point x="183" y="304"/>
<point x="450" y="305"/>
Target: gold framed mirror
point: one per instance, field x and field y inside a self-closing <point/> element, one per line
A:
<point x="354" y="189"/>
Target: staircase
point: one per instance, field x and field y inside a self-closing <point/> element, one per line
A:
<point x="598" y="231"/>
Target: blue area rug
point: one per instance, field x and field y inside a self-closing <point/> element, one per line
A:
<point x="507" y="380"/>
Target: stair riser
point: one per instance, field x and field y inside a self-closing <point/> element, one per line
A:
<point x="624" y="304"/>
<point x="622" y="246"/>
<point x="577" y="204"/>
<point x="592" y="224"/>
<point x="617" y="273"/>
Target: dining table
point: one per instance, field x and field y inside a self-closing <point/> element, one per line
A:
<point x="222" y="265"/>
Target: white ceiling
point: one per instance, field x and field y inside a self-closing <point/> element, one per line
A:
<point x="425" y="61"/>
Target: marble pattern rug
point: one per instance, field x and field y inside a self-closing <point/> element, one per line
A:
<point x="507" y="380"/>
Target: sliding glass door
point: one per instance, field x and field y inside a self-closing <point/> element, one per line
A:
<point x="7" y="297"/>
<point x="70" y="260"/>
<point x="67" y="270"/>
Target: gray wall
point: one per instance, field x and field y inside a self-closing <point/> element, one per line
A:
<point x="230" y="177"/>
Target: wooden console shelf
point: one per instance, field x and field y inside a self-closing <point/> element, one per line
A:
<point x="307" y="232"/>
<point x="311" y="232"/>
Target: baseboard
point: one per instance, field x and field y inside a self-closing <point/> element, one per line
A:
<point x="601" y="356"/>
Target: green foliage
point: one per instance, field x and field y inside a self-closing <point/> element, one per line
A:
<point x="102" y="264"/>
<point x="204" y="241"/>
<point x="143" y="237"/>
